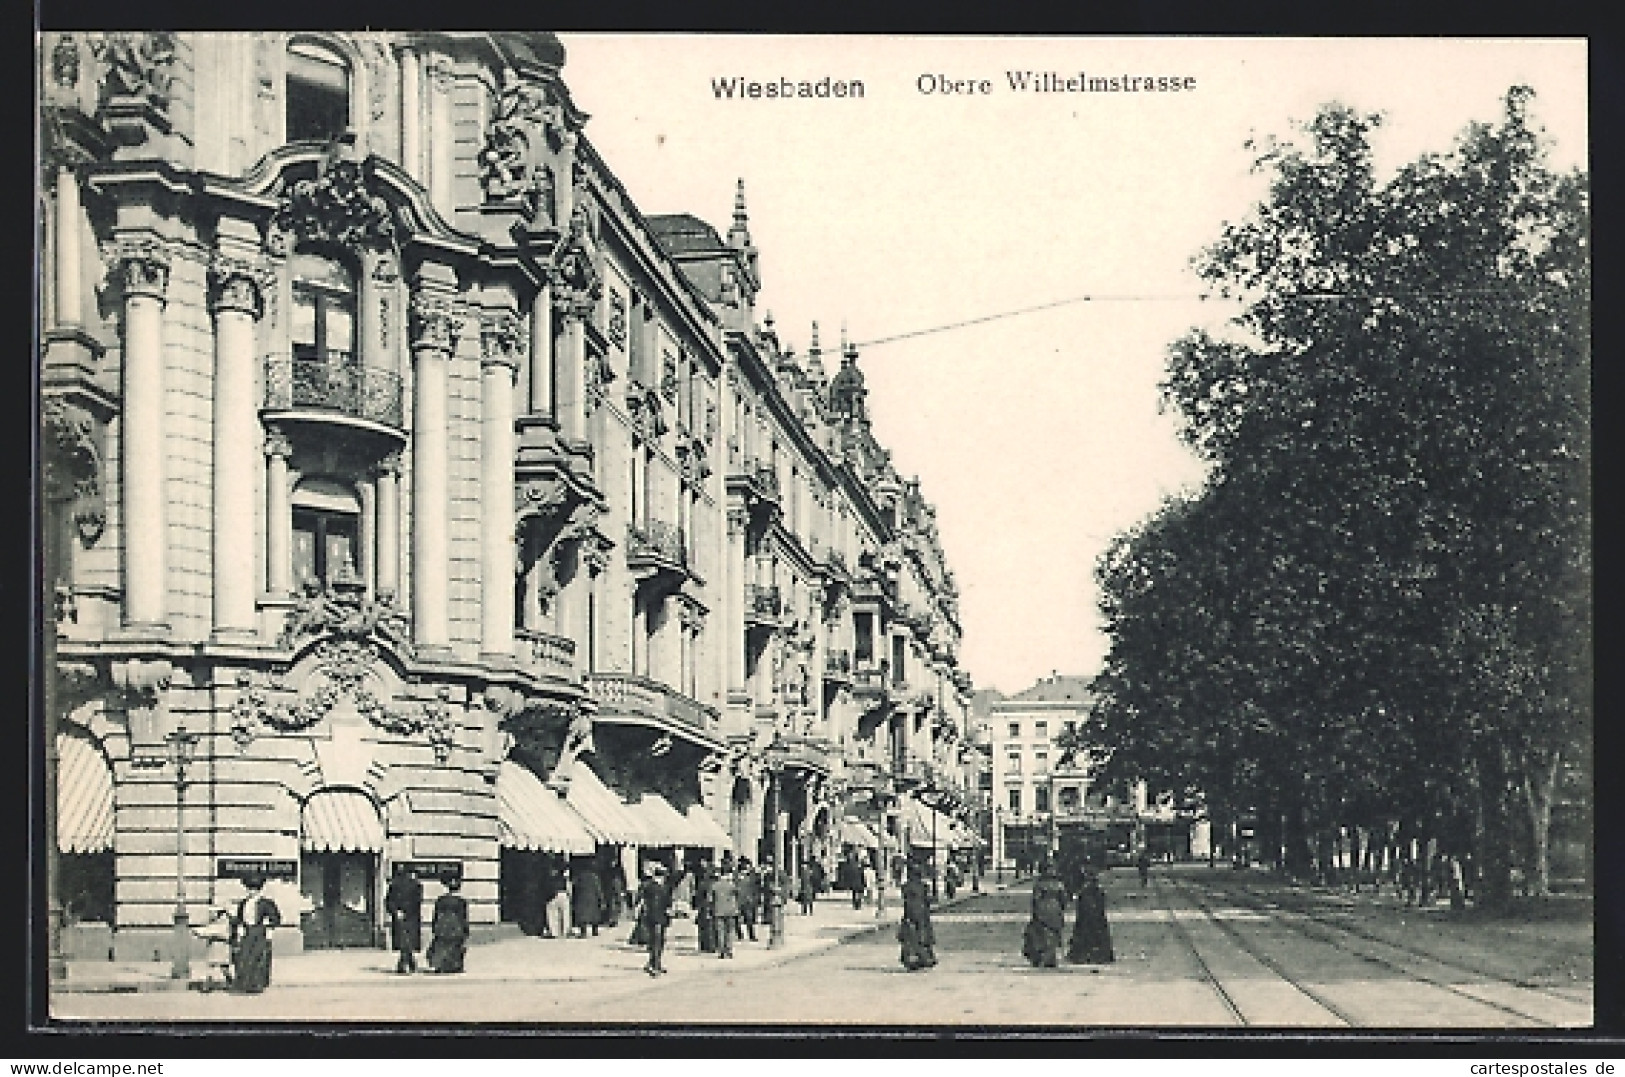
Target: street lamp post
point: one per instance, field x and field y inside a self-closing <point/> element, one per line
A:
<point x="182" y="743"/>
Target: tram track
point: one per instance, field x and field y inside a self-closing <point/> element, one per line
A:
<point x="1253" y="952"/>
<point x="1327" y="934"/>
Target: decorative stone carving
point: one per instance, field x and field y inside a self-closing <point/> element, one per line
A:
<point x="278" y="444"/>
<point x="343" y="609"/>
<point x="136" y="64"/>
<point x="338" y="206"/>
<point x="139" y="265"/>
<point x="72" y="467"/>
<point x="577" y="284"/>
<point x="65" y="62"/>
<point x="524" y="121"/>
<point x="435" y="322"/>
<point x="433" y="719"/>
<point x="501" y="338"/>
<point x="238" y="284"/>
<point x="616" y="328"/>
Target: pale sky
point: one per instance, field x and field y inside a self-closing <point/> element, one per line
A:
<point x="1037" y="437"/>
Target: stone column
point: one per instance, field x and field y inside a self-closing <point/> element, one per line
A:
<point x="541" y="354"/>
<point x="387" y="532"/>
<point x="278" y="516"/>
<point x="441" y="135"/>
<point x="434" y="329"/>
<point x="499" y="342"/>
<point x="570" y="389"/>
<point x="68" y="292"/>
<point x="143" y="271"/>
<point x="237" y="283"/>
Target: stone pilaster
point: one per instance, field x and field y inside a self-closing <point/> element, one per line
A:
<point x="278" y="516"/>
<point x="434" y="329"/>
<point x="541" y="354"/>
<point x="142" y="268"/>
<point x="387" y="530"/>
<point x="237" y="284"/>
<point x="500" y="345"/>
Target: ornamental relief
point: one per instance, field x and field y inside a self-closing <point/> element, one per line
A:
<point x="526" y="125"/>
<point x="337" y="206"/>
<point x="336" y="670"/>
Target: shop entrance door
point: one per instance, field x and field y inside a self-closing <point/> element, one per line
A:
<point x="342" y="890"/>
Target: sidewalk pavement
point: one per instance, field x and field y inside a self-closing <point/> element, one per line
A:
<point x="528" y="959"/>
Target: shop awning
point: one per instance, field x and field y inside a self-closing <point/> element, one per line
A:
<point x="532" y="817"/>
<point x="857" y="832"/>
<point x="664" y="823"/>
<point x="84" y="797"/>
<point x="924" y="824"/>
<point x="607" y="819"/>
<point x="708" y="833"/>
<point x="341" y="821"/>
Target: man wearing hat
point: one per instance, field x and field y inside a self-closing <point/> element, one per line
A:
<point x="654" y="913"/>
<point x="404" y="903"/>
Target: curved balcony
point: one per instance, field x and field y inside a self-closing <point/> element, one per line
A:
<point x="336" y="387"/>
<point x="655" y="549"/>
<point x="838" y="666"/>
<point x="764" y="606"/>
<point x="545" y="655"/>
<point x="629" y="697"/>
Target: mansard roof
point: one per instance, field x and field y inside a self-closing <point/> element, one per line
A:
<point x="684" y="233"/>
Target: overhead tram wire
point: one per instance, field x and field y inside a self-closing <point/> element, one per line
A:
<point x="1460" y="293"/>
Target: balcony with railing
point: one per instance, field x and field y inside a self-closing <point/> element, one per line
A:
<point x="628" y="696"/>
<point x="764" y="605"/>
<point x="838" y="666"/>
<point x="872" y="679"/>
<point x="338" y="387"/>
<point x="545" y="655"/>
<point x="656" y="548"/>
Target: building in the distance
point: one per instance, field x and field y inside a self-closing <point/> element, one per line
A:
<point x="416" y="500"/>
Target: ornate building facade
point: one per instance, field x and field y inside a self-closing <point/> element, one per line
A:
<point x="401" y="472"/>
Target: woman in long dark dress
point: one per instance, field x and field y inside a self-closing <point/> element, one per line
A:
<point x="449" y="944"/>
<point x="251" y="925"/>
<point x="1091" y="935"/>
<point x="1042" y="943"/>
<point x="587" y="903"/>
<point x="919" y="939"/>
<point x="704" y="912"/>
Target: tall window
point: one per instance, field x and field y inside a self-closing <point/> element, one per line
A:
<point x="1015" y="730"/>
<point x="326" y="518"/>
<point x="863" y="627"/>
<point x="1015" y="799"/>
<point x="1040" y="762"/>
<point x="1012" y="762"/>
<point x="1041" y="729"/>
<point x="1041" y="798"/>
<point x="323" y="310"/>
<point x="899" y="652"/>
<point x="318" y="93"/>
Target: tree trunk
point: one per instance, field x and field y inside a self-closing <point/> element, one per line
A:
<point x="1539" y="788"/>
<point x="1495" y="837"/>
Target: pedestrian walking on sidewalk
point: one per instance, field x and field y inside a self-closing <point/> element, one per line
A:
<point x="704" y="916"/>
<point x="750" y="898"/>
<point x="807" y="892"/>
<point x="1042" y="941"/>
<point x="1143" y="862"/>
<point x="449" y="943"/>
<point x="725" y="907"/>
<point x="587" y="903"/>
<point x="654" y="913"/>
<point x="950" y="879"/>
<point x="773" y="898"/>
<point x="558" y="902"/>
<point x="850" y="877"/>
<point x="915" y="932"/>
<point x="251" y="926"/>
<point x="403" y="901"/>
<point x="1092" y="934"/>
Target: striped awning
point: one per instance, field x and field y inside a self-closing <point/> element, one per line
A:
<point x="605" y="817"/>
<point x="664" y="823"/>
<point x="708" y="833"/>
<point x="532" y="817"/>
<point x="924" y="824"/>
<point x="341" y="821"/>
<point x="857" y="832"/>
<point x="84" y="797"/>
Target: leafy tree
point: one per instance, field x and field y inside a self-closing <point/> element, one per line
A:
<point x="1378" y="607"/>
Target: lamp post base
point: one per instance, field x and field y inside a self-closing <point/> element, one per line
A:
<point x="182" y="968"/>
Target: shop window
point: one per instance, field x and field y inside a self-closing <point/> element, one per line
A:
<point x="318" y="93"/>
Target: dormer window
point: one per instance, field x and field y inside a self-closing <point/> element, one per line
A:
<point x="318" y="93"/>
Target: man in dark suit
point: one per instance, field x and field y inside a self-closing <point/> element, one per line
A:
<point x="404" y="904"/>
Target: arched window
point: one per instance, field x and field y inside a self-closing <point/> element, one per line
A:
<point x="318" y="93"/>
<point x="326" y="531"/>
<point x="323" y="310"/>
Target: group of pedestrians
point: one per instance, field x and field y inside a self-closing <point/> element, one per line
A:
<point x="448" y="942"/>
<point x="728" y="901"/>
<point x="1091" y="942"/>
